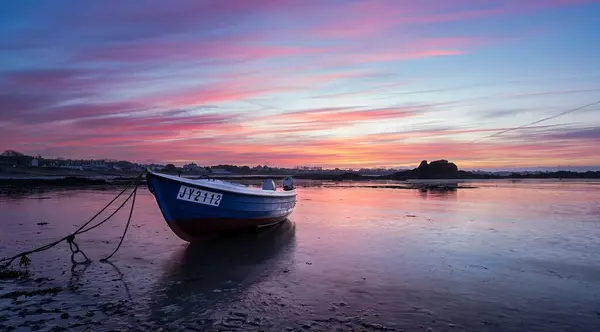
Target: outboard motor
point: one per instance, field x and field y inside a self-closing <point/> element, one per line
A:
<point x="268" y="184"/>
<point x="288" y="183"/>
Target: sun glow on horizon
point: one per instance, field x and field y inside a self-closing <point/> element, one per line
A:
<point x="331" y="83"/>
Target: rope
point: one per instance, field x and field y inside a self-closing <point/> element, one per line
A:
<point x="70" y="239"/>
<point x="104" y="208"/>
<point x="75" y="249"/>
<point x="126" y="226"/>
<point x="110" y="216"/>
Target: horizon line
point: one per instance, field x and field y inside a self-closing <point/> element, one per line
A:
<point x="332" y="167"/>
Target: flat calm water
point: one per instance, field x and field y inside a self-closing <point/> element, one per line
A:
<point x="505" y="256"/>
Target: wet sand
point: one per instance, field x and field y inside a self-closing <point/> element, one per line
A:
<point x="503" y="256"/>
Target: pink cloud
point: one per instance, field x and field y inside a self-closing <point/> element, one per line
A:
<point x="372" y="150"/>
<point x="215" y="94"/>
<point x="345" y="75"/>
<point x="370" y="18"/>
<point x="363" y="19"/>
<point x="126" y="131"/>
<point x="224" y="49"/>
<point x="392" y="56"/>
<point x="121" y="79"/>
<point x="390" y="51"/>
<point x="25" y="109"/>
<point x="369" y="91"/>
<point x="340" y="115"/>
<point x="239" y="87"/>
<point x="55" y="78"/>
<point x="350" y="21"/>
<point x="77" y="111"/>
<point x="326" y="119"/>
<point x="166" y="122"/>
<point x="157" y="18"/>
<point x="15" y="105"/>
<point x="453" y="42"/>
<point x="352" y="58"/>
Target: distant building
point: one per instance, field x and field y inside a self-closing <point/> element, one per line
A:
<point x="309" y="168"/>
<point x="220" y="171"/>
<point x="191" y="167"/>
<point x="77" y="167"/>
<point x="35" y="163"/>
<point x="153" y="167"/>
<point x="97" y="167"/>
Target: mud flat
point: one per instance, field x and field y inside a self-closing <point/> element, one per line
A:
<point x="507" y="256"/>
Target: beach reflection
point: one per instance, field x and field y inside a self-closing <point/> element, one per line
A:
<point x="441" y="194"/>
<point x="220" y="269"/>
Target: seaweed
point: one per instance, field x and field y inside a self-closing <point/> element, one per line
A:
<point x="46" y="291"/>
<point x="8" y="274"/>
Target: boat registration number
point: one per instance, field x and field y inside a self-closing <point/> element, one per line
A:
<point x="199" y="196"/>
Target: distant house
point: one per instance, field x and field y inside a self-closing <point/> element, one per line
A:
<point x="191" y="167"/>
<point x="77" y="167"/>
<point x="154" y="167"/>
<point x="35" y="163"/>
<point x="96" y="167"/>
<point x="219" y="171"/>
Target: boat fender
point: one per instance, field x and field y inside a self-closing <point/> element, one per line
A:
<point x="268" y="184"/>
<point x="288" y="183"/>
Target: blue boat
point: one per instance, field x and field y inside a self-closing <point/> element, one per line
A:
<point x="194" y="208"/>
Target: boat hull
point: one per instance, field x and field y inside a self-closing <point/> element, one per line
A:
<point x="195" y="209"/>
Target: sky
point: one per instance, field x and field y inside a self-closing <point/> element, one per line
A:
<point x="332" y="83"/>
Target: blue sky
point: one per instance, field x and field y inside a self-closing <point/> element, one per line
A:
<point x="324" y="83"/>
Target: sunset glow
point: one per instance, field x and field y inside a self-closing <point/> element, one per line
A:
<point x="333" y="83"/>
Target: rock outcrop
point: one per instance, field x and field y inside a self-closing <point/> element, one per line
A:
<point x="438" y="169"/>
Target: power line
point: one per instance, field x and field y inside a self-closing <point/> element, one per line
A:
<point x="538" y="121"/>
<point x="262" y="105"/>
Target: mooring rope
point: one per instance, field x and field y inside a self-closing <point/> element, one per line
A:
<point x="126" y="226"/>
<point x="70" y="239"/>
<point x="109" y="217"/>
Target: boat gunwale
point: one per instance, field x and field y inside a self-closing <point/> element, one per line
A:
<point x="226" y="188"/>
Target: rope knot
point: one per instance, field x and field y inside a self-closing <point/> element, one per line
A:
<point x="71" y="238"/>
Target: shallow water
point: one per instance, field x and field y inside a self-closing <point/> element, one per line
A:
<point x="505" y="256"/>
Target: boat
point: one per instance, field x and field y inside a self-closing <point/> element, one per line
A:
<point x="194" y="208"/>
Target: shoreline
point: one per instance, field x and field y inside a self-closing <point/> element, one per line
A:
<point x="437" y="173"/>
<point x="24" y="181"/>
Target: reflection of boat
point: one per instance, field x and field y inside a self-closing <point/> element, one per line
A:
<point x="217" y="271"/>
<point x="193" y="208"/>
<point x="225" y="253"/>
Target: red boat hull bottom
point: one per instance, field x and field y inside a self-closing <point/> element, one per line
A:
<point x="192" y="229"/>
